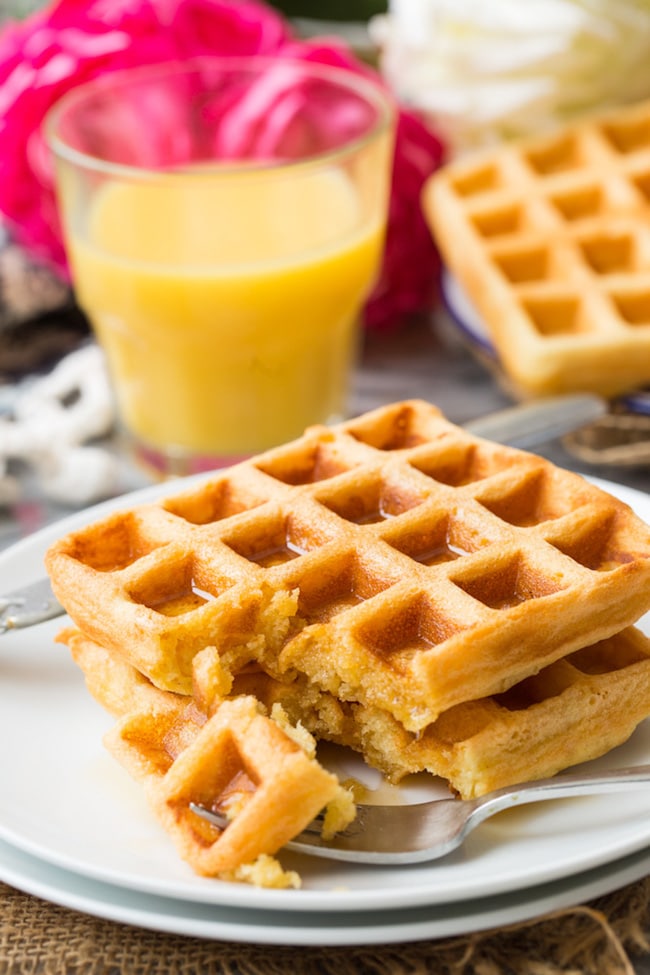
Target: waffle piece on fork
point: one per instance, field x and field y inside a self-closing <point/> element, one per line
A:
<point x="238" y="761"/>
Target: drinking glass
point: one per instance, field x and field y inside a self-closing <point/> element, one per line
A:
<point x="224" y="221"/>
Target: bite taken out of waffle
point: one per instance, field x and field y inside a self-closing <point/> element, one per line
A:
<point x="550" y="239"/>
<point x="574" y="710"/>
<point x="393" y="561"/>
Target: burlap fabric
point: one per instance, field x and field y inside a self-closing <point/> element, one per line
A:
<point x="606" y="937"/>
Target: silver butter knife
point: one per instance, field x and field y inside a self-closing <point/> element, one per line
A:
<point x="522" y="426"/>
<point x="31" y="604"/>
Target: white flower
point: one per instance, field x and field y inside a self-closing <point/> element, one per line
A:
<point x="484" y="71"/>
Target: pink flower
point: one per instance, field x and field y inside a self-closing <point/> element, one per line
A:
<point x="72" y="41"/>
<point x="408" y="281"/>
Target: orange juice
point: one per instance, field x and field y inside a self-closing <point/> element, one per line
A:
<point x="227" y="307"/>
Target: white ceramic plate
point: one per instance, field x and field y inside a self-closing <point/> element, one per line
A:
<point x="249" y="925"/>
<point x="67" y="803"/>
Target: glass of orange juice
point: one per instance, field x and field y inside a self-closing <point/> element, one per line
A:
<point x="224" y="221"/>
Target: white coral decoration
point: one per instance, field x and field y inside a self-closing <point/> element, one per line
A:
<point x="484" y="71"/>
<point x="50" y="426"/>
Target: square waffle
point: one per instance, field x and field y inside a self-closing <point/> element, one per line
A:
<point x="395" y="561"/>
<point x="427" y="568"/>
<point x="574" y="710"/>
<point x="550" y="239"/>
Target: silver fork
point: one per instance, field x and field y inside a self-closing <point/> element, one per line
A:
<point x="430" y="830"/>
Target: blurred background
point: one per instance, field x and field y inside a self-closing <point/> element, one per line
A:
<point x="467" y="76"/>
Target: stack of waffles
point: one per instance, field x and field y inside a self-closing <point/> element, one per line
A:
<point x="394" y="584"/>
<point x="550" y="240"/>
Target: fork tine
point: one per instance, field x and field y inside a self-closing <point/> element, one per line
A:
<point x="218" y="819"/>
<point x="371" y="837"/>
<point x="430" y="830"/>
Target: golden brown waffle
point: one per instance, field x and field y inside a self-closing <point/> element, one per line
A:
<point x="574" y="710"/>
<point x="394" y="560"/>
<point x="237" y="762"/>
<point x="549" y="237"/>
<point x="240" y="763"/>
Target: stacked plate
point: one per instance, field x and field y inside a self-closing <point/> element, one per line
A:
<point x="75" y="830"/>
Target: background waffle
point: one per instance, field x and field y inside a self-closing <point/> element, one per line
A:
<point x="394" y="560"/>
<point x="550" y="239"/>
<point x="574" y="710"/>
